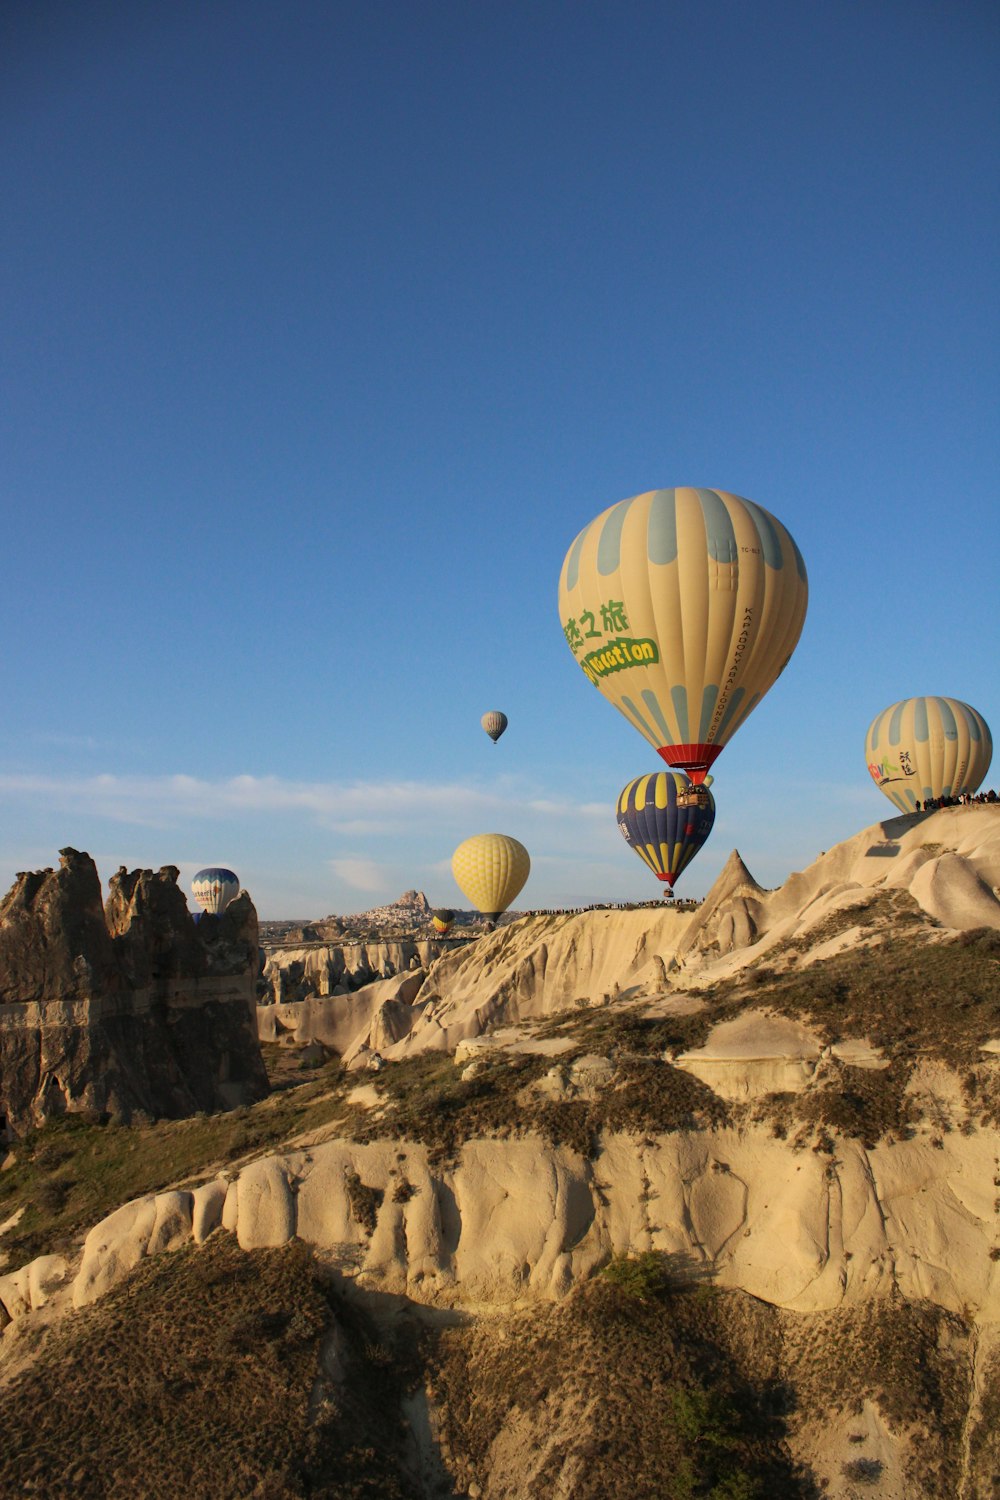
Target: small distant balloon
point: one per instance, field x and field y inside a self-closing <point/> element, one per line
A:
<point x="666" y="819"/>
<point x="923" y="748"/>
<point x="215" y="888"/>
<point x="494" y="723"/>
<point x="682" y="607"/>
<point x="490" y="869"/>
<point x="441" y="920"/>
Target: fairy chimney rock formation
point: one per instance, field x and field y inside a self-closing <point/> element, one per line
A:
<point x="124" y="1007"/>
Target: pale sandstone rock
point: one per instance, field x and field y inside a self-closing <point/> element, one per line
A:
<point x="172" y="1222"/>
<point x="937" y="1093"/>
<point x="295" y="974"/>
<point x="207" y="1203"/>
<point x="950" y="889"/>
<point x="511" y="1239"/>
<point x="940" y="1216"/>
<point x="113" y="1247"/>
<point x="858" y="1052"/>
<point x="806" y="1229"/>
<point x="265" y="1206"/>
<point x="755" y="1054"/>
<point x="230" y="1208"/>
<point x="478" y="1047"/>
<point x="803" y="1229"/>
<point x="10" y="1222"/>
<point x="324" y="1211"/>
<point x="514" y="1218"/>
<point x="829" y="1445"/>
<point x="537" y="966"/>
<point x="345" y="1022"/>
<point x="391" y="1021"/>
<point x="585" y="1078"/>
<point x="45" y="1276"/>
<point x="15" y="1294"/>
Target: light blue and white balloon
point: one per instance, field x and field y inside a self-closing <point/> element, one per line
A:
<point x="215" y="888"/>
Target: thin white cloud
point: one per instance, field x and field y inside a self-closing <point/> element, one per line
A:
<point x="62" y="741"/>
<point x="360" y="873"/>
<point x="549" y="808"/>
<point x="367" y="807"/>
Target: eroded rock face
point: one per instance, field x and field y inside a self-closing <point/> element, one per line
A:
<point x="804" y="1230"/>
<point x="132" y="1007"/>
<point x="294" y="973"/>
<point x="53" y="937"/>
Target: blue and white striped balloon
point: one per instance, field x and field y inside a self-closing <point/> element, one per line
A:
<point x="214" y="888"/>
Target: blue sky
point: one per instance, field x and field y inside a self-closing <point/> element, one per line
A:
<point x="327" y="326"/>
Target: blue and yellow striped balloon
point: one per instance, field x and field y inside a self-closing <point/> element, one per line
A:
<point x="665" y="818"/>
<point x="924" y="748"/>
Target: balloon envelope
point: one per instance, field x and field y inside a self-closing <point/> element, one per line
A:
<point x="665" y="818"/>
<point x="490" y="869"/>
<point x="214" y="888"/>
<point x="921" y="748"/>
<point x="441" y="919"/>
<point x="494" y="723"/>
<point x="682" y="606"/>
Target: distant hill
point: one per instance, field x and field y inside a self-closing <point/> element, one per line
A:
<point x="409" y="916"/>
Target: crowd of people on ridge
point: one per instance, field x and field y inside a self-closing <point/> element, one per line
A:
<point x="966" y="799"/>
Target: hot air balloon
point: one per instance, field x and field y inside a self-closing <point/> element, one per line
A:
<point x="927" y="747"/>
<point x="490" y="869"/>
<point x="682" y="606"/>
<point x="494" y="723"/>
<point x="441" y="919"/>
<point x="665" y="818"/>
<point x="215" y="888"/>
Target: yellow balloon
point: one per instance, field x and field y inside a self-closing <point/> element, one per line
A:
<point x="682" y="606"/>
<point x="927" y="747"/>
<point x="490" y="869"/>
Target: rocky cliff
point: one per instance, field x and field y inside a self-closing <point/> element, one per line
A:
<point x="778" y="1115"/>
<point x="295" y="971"/>
<point x="124" y="1008"/>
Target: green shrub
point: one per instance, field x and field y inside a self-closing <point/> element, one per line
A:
<point x="643" y="1277"/>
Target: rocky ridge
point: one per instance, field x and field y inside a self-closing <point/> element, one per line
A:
<point x="745" y="1093"/>
<point x="127" y="1007"/>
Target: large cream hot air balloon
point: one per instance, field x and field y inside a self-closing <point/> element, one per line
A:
<point x="927" y="747"/>
<point x="682" y="606"/>
<point x="490" y="869"/>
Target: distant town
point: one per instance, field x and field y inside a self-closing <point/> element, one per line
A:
<point x="410" y="917"/>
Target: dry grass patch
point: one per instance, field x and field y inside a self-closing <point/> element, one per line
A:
<point x="618" y="1393"/>
<point x="426" y="1099"/>
<point x="911" y="1360"/>
<point x="203" y="1376"/>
